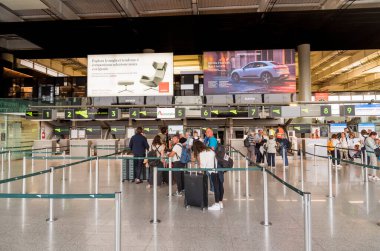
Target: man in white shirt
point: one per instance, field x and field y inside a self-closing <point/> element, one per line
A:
<point x="175" y="154"/>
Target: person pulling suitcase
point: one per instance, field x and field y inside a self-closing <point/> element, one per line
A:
<point x="206" y="159"/>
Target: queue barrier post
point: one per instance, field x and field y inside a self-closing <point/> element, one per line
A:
<point x="32" y="159"/>
<point x="46" y="158"/>
<point x="307" y="221"/>
<point x="301" y="156"/>
<point x="336" y="157"/>
<point x="155" y="220"/>
<point x="9" y="161"/>
<point x="51" y="200"/>
<point x="170" y="179"/>
<point x="330" y="195"/>
<point x="2" y="159"/>
<point x="315" y="155"/>
<point x="365" y="168"/>
<point x="265" y="178"/>
<point x="246" y="179"/>
<point x="97" y="175"/>
<point x="283" y="159"/>
<point x="118" y="221"/>
<point x="24" y="173"/>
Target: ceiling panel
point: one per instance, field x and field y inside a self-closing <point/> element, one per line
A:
<point x="226" y="3"/>
<point x="155" y="5"/>
<point x="31" y="12"/>
<point x="91" y="6"/>
<point x="23" y="5"/>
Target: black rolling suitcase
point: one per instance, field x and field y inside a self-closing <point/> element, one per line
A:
<point x="196" y="190"/>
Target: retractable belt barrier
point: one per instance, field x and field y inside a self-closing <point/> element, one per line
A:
<point x="306" y="198"/>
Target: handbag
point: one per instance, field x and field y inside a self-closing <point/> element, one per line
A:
<point x="377" y="152"/>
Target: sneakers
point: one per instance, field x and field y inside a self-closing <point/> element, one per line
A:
<point x="375" y="178"/>
<point x="221" y="204"/>
<point x="177" y="194"/>
<point x="137" y="181"/>
<point x="339" y="167"/>
<point x="215" y="207"/>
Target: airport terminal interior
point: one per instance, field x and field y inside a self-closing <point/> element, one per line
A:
<point x="189" y="125"/>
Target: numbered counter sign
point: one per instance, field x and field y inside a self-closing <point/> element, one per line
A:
<point x="326" y="110"/>
<point x="253" y="112"/>
<point x="206" y="113"/>
<point x="180" y="113"/>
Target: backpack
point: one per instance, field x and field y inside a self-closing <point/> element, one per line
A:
<point x="153" y="154"/>
<point x="185" y="155"/>
<point x="330" y="145"/>
<point x="246" y="142"/>
<point x="224" y="161"/>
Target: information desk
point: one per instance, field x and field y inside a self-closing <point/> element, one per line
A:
<point x="80" y="148"/>
<point x="46" y="143"/>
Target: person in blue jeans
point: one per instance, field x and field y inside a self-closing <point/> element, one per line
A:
<point x="212" y="143"/>
<point x="284" y="142"/>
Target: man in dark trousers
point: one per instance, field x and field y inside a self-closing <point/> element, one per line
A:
<point x="139" y="146"/>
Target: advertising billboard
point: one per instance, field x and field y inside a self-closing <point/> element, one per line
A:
<point x="253" y="71"/>
<point x="147" y="74"/>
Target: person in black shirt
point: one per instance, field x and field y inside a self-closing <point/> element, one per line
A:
<point x="139" y="146"/>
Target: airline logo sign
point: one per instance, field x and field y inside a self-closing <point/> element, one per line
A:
<point x="166" y="113"/>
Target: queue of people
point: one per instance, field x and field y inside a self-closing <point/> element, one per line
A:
<point x="261" y="147"/>
<point x="202" y="152"/>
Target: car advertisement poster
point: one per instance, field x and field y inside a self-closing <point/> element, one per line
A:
<point x="253" y="71"/>
<point x="146" y="74"/>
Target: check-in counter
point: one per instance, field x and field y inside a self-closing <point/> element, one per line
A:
<point x="106" y="146"/>
<point x="80" y="148"/>
<point x="238" y="144"/>
<point x="64" y="145"/>
<point x="39" y="144"/>
<point x="308" y="145"/>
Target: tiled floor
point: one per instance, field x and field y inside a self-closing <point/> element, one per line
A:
<point x="346" y="222"/>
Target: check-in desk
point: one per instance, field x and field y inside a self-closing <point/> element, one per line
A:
<point x="64" y="145"/>
<point x="238" y="144"/>
<point x="40" y="146"/>
<point x="80" y="148"/>
<point x="106" y="146"/>
<point x="308" y="145"/>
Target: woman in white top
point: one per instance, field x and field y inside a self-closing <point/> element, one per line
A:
<point x="344" y="145"/>
<point x="206" y="159"/>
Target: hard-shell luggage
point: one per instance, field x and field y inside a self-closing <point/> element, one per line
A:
<point x="128" y="170"/>
<point x="196" y="190"/>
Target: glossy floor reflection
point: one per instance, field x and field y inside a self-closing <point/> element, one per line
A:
<point x="346" y="222"/>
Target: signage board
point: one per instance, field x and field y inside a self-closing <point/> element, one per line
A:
<point x="175" y="129"/>
<point x="150" y="130"/>
<point x="302" y="128"/>
<point x="206" y="112"/>
<point x="367" y="110"/>
<point x="118" y="130"/>
<point x="61" y="130"/>
<point x="33" y="114"/>
<point x="325" y="110"/>
<point x="347" y="110"/>
<point x="253" y="112"/>
<point x="338" y="127"/>
<point x="366" y="126"/>
<point x="166" y="113"/>
<point x="93" y="130"/>
<point x="249" y="71"/>
<point x="275" y="111"/>
<point x="145" y="74"/>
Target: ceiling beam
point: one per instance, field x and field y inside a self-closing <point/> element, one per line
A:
<point x="128" y="8"/>
<point x="61" y="9"/>
<point x="8" y="16"/>
<point x="194" y="7"/>
<point x="17" y="44"/>
<point x="262" y="5"/>
<point x="331" y="4"/>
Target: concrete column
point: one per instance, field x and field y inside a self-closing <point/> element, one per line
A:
<point x="304" y="78"/>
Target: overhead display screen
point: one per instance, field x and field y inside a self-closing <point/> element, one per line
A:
<point x="147" y="74"/>
<point x="339" y="127"/>
<point x="253" y="71"/>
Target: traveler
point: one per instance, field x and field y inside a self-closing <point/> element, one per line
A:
<point x="189" y="140"/>
<point x="258" y="144"/>
<point x="164" y="136"/>
<point x="251" y="150"/>
<point x="344" y="145"/>
<point x="159" y="149"/>
<point x="175" y="154"/>
<point x="139" y="145"/>
<point x="332" y="145"/>
<point x="206" y="158"/>
<point x="284" y="146"/>
<point x="370" y="146"/>
<point x="352" y="146"/>
<point x="270" y="147"/>
<point x="212" y="143"/>
<point x="262" y="149"/>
